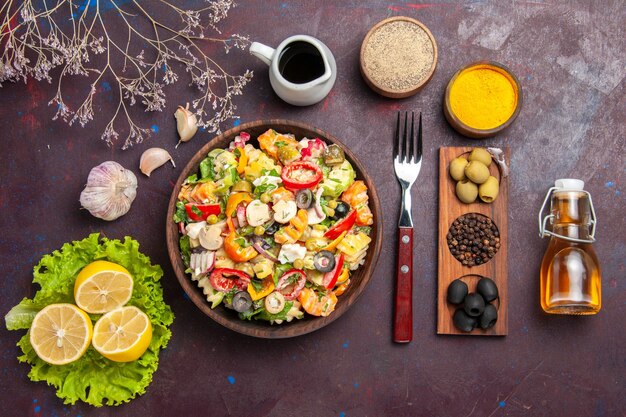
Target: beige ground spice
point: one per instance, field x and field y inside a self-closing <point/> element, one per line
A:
<point x="398" y="56"/>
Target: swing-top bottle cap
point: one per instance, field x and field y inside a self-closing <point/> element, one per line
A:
<point x="569" y="184"/>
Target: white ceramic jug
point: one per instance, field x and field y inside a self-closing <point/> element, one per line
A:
<point x="302" y="69"/>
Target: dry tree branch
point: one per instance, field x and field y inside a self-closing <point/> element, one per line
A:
<point x="39" y="36"/>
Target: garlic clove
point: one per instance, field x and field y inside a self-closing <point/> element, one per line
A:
<point x="153" y="158"/>
<point x="110" y="191"/>
<point x="186" y="124"/>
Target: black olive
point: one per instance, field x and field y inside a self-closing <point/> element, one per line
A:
<point x="271" y="229"/>
<point x="341" y="210"/>
<point x="304" y="198"/>
<point x="474" y="304"/>
<point x="324" y="261"/>
<point x="462" y="321"/>
<point x="488" y="289"/>
<point x="242" y="301"/>
<point x="457" y="290"/>
<point x="489" y="317"/>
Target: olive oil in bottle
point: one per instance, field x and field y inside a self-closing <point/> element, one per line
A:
<point x="570" y="272"/>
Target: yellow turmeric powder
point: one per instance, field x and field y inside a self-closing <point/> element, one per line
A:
<point x="483" y="97"/>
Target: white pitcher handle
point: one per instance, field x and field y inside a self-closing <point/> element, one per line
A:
<point x="263" y="52"/>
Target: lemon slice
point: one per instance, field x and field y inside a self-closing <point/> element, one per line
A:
<point x="60" y="333"/>
<point x="122" y="335"/>
<point x="102" y="286"/>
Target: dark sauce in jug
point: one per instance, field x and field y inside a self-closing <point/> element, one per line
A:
<point x="300" y="63"/>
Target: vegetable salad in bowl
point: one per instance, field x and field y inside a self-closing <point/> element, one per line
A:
<point x="274" y="232"/>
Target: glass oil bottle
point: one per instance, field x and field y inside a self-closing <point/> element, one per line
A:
<point x="570" y="272"/>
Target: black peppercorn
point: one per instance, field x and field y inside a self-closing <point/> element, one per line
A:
<point x="472" y="235"/>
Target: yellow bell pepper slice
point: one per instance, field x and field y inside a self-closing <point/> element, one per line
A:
<point x="268" y="287"/>
<point x="332" y="245"/>
<point x="243" y="161"/>
<point x="342" y="288"/>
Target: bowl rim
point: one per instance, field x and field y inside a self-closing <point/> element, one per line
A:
<point x="473" y="132"/>
<point x="255" y="328"/>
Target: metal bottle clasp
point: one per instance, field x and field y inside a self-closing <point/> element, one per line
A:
<point x="543" y="231"/>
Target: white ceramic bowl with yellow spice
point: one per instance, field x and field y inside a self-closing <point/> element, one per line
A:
<point x="482" y="99"/>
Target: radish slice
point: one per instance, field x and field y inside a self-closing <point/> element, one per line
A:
<point x="201" y="263"/>
<point x="241" y="216"/>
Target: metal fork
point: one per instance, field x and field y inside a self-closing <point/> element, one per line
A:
<point x="407" y="161"/>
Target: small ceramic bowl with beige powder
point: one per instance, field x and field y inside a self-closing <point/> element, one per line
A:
<point x="398" y="57"/>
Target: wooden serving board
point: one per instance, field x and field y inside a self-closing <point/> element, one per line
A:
<point x="450" y="207"/>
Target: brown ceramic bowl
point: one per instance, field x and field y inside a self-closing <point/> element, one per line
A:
<point x="228" y="318"/>
<point x="470" y="131"/>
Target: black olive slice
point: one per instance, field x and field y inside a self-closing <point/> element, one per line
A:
<point x="341" y="210"/>
<point x="324" y="261"/>
<point x="242" y="301"/>
<point x="304" y="198"/>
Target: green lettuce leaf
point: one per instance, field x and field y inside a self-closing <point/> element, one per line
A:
<point x="93" y="378"/>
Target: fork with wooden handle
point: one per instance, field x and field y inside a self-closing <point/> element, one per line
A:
<point x="407" y="161"/>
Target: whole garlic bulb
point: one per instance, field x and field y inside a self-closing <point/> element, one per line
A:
<point x="110" y="191"/>
<point x="186" y="124"/>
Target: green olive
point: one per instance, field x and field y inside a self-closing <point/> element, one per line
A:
<point x="457" y="167"/>
<point x="477" y="172"/>
<point x="242" y="186"/>
<point x="467" y="191"/>
<point x="265" y="198"/>
<point x="488" y="190"/>
<point x="288" y="154"/>
<point x="481" y="155"/>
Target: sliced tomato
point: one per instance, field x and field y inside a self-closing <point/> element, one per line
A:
<point x="225" y="279"/>
<point x="199" y="212"/>
<point x="341" y="226"/>
<point x="300" y="175"/>
<point x="291" y="283"/>
<point x="330" y="278"/>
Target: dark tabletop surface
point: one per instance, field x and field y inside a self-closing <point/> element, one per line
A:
<point x="569" y="58"/>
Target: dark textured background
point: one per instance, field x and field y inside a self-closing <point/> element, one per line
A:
<point x="570" y="60"/>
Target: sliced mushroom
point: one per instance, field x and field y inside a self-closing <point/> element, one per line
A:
<point x="211" y="237"/>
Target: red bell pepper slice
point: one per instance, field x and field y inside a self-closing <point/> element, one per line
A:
<point x="225" y="279"/>
<point x="300" y="175"/>
<point x="199" y="212"/>
<point x="341" y="226"/>
<point x="291" y="283"/>
<point x="330" y="278"/>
